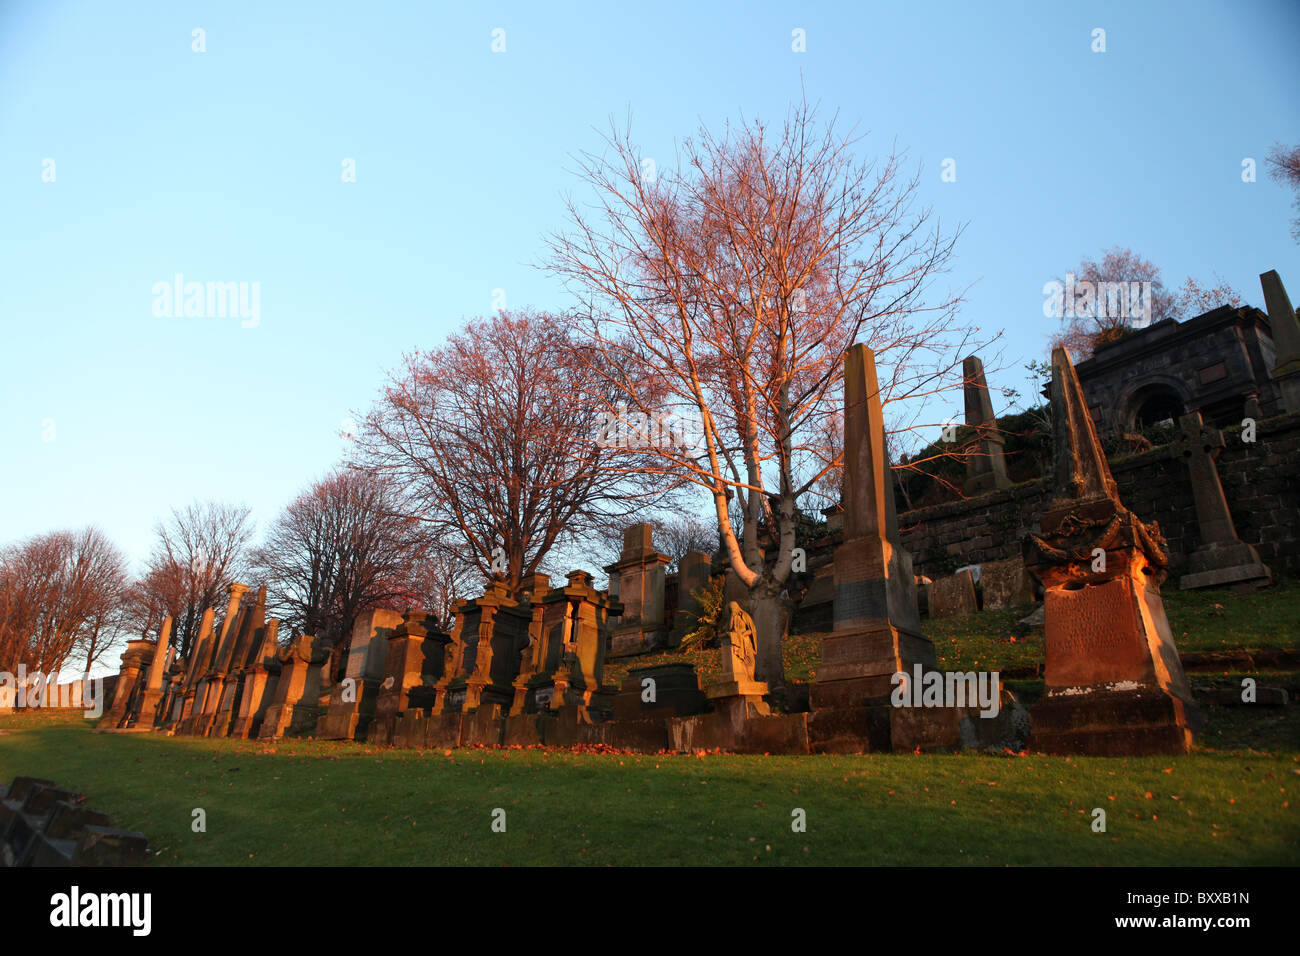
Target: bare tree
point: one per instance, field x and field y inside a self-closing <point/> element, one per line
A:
<point x="1103" y="301"/>
<point x="198" y="552"/>
<point x="1284" y="168"/>
<point x="56" y="592"/>
<point x="343" y="547"/>
<point x="496" y="439"/>
<point x="734" y="282"/>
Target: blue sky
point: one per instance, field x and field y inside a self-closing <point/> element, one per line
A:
<point x="226" y="166"/>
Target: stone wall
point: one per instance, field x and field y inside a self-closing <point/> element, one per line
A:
<point x="1261" y="481"/>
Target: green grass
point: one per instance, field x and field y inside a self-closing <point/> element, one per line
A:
<point x="318" y="803"/>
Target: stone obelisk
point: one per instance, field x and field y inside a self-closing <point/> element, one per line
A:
<point x="877" y="630"/>
<point x="986" y="466"/>
<point x="1285" y="331"/>
<point x="1114" y="683"/>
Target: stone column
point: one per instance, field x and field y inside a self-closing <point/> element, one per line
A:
<point x="877" y="630"/>
<point x="208" y="697"/>
<point x="986" y="467"/>
<point x="135" y="656"/>
<point x="293" y="706"/>
<point x="187" y="692"/>
<point x="257" y="683"/>
<point x="153" y="686"/>
<point x="641" y="580"/>
<point x="1222" y="557"/>
<point x="1285" y="331"/>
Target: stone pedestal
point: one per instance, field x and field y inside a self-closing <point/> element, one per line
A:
<point x="877" y="630"/>
<point x="293" y="708"/>
<point x="487" y="639"/>
<point x="641" y="579"/>
<point x="564" y="662"/>
<point x="1114" y="683"/>
<point x="135" y="658"/>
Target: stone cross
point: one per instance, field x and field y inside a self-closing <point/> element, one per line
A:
<point x="1222" y="557"/>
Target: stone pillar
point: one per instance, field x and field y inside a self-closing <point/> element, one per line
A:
<point x="208" y="696"/>
<point x="1114" y="682"/>
<point x="352" y="700"/>
<point x="251" y="634"/>
<point x="692" y="575"/>
<point x="134" y="658"/>
<point x="1285" y="330"/>
<point x="183" y="718"/>
<point x="257" y="681"/>
<point x="1222" y="557"/>
<point x="640" y="571"/>
<point x="877" y="629"/>
<point x="150" y="700"/>
<point x="986" y="467"/>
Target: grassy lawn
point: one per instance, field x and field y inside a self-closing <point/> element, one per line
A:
<point x="305" y="802"/>
<point x="319" y="803"/>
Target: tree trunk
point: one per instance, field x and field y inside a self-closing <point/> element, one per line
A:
<point x="771" y="623"/>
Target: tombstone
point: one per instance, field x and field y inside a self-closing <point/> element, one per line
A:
<point x="413" y="664"/>
<point x="986" y="466"/>
<point x="1114" y="682"/>
<point x="660" y="690"/>
<point x="641" y="579"/>
<point x="693" y="570"/>
<point x="257" y="683"/>
<point x="1285" y="330"/>
<point x="150" y="700"/>
<point x="250" y="634"/>
<point x="182" y="715"/>
<point x="294" y="708"/>
<point x="563" y="665"/>
<point x="1221" y="558"/>
<point x="488" y="637"/>
<point x="877" y="628"/>
<point x="352" y="700"/>
<point x="207" y="697"/>
<point x="953" y="595"/>
<point x="134" y="659"/>
<point x="1006" y="584"/>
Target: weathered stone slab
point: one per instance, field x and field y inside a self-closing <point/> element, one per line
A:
<point x="1006" y="584"/>
<point x="953" y="595"/>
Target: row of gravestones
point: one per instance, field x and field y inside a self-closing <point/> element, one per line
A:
<point x="512" y="667"/>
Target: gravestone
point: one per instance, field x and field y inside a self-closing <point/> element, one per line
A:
<point x="294" y="708"/>
<point x="207" y="697"/>
<point x="1114" y="682"/>
<point x="1221" y="558"/>
<point x="692" y="575"/>
<point x="257" y="683"/>
<point x="986" y="466"/>
<point x="563" y="664"/>
<point x="148" y="713"/>
<point x="134" y="659"/>
<point x="1285" y="330"/>
<point x="413" y="664"/>
<point x="488" y="639"/>
<point x="182" y="715"/>
<point x="352" y="700"/>
<point x="877" y="628"/>
<point x="953" y="595"/>
<point x="1006" y="584"/>
<point x="641" y="579"/>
